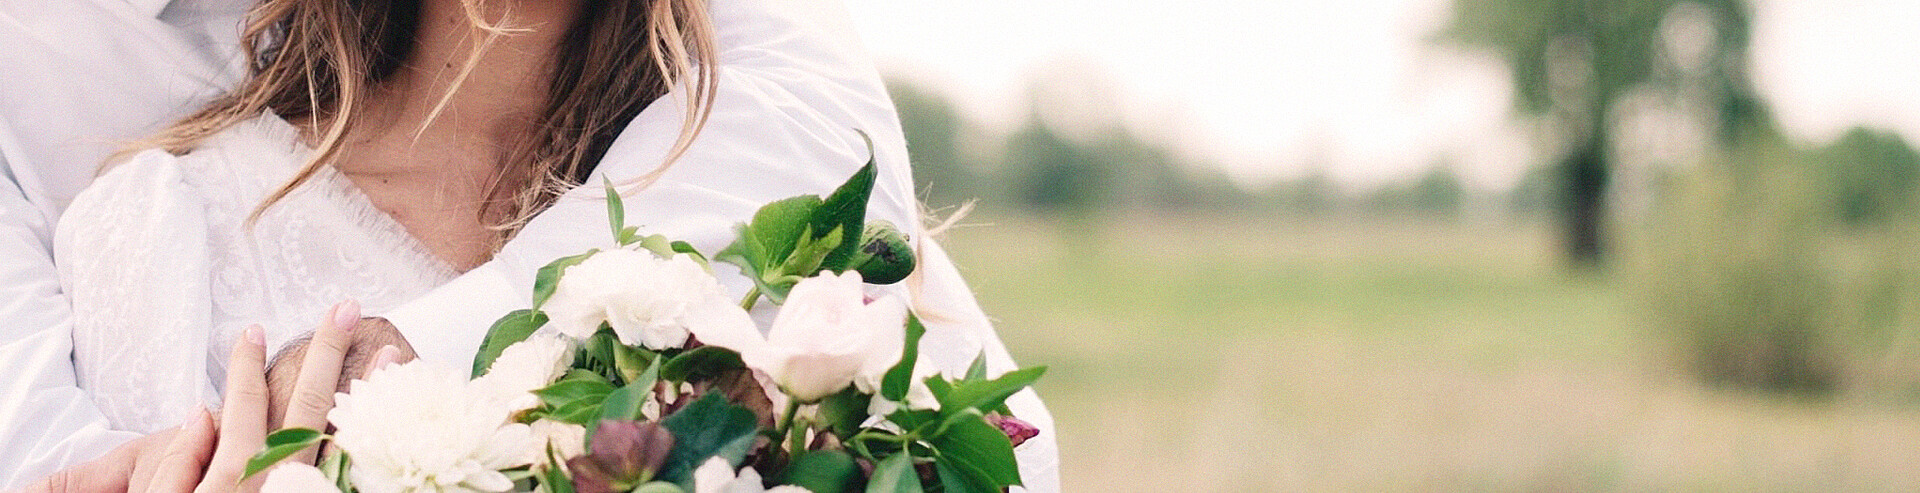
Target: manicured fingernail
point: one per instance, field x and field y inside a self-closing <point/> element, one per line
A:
<point x="346" y="314"/>
<point x="387" y="355"/>
<point x="256" y="335"/>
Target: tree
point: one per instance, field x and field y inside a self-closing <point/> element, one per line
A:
<point x="1572" y="60"/>
<point x="934" y="130"/>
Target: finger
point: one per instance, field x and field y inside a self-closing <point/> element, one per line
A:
<point x="388" y="355"/>
<point x="154" y="446"/>
<point x="186" y="457"/>
<point x="243" y="415"/>
<point x="320" y="374"/>
<point x="107" y="473"/>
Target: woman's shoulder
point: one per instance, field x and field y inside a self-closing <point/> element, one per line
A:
<point x="227" y="170"/>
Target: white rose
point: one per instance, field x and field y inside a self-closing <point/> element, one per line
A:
<point x="524" y="367"/>
<point x="296" y="478"/>
<point x="827" y="337"/>
<point x="648" y="301"/>
<point x="422" y="426"/>
<point x="715" y="476"/>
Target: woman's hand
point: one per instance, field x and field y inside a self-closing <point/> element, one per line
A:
<point x="191" y="465"/>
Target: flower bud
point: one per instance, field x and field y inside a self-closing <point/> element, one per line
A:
<point x="884" y="257"/>
<point x="1017" y="431"/>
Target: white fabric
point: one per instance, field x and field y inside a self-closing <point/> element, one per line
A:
<point x="77" y="77"/>
<point x="795" y="83"/>
<point x="157" y="251"/>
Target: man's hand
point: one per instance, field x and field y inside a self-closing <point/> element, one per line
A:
<point x="130" y="466"/>
<point x="367" y="349"/>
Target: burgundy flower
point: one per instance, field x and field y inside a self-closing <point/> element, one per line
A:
<point x="623" y="455"/>
<point x="1017" y="431"/>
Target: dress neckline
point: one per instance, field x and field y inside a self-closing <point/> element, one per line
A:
<point x="342" y="192"/>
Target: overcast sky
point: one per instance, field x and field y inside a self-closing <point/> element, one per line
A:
<point x="1270" y="88"/>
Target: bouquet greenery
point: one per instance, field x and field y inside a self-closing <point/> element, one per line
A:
<point x="634" y="371"/>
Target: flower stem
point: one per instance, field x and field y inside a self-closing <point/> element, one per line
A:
<point x="786" y="421"/>
<point x="753" y="295"/>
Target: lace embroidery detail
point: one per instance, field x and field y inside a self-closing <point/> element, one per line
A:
<point x="121" y="256"/>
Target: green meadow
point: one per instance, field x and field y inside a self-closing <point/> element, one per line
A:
<point x="1257" y="353"/>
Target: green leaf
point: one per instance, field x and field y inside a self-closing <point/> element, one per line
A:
<point x="778" y="225"/>
<point x="554" y="478"/>
<point x="687" y="248"/>
<point x="509" y="330"/>
<point x="823" y="471"/>
<point x="978" y="370"/>
<point x="957" y="479"/>
<point x="632" y="361"/>
<point x="844" y="411"/>
<point x="846" y="210"/>
<point x="709" y="427"/>
<point x="616" y="211"/>
<point x="624" y="403"/>
<point x="583" y="412"/>
<point x="987" y="394"/>
<point x="894" y="385"/>
<point x="745" y="252"/>
<point x="280" y="445"/>
<point x="980" y="449"/>
<point x="658" y="244"/>
<point x="628" y="236"/>
<point x="894" y="474"/>
<point x="806" y="257"/>
<point x="914" y="419"/>
<point x="335" y="468"/>
<point x="701" y="363"/>
<point x="548" y="277"/>
<point x="567" y="391"/>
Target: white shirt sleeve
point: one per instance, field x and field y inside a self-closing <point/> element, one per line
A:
<point x="46" y="421"/>
<point x="795" y="84"/>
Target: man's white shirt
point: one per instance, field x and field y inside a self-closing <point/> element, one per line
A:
<point x="79" y="77"/>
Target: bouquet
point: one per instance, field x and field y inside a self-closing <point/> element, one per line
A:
<point x="635" y="372"/>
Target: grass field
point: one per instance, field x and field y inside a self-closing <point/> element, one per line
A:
<point x="1261" y="354"/>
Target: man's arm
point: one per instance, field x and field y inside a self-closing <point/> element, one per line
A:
<point x="47" y="421"/>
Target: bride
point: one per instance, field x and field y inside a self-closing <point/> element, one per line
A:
<point x="376" y="151"/>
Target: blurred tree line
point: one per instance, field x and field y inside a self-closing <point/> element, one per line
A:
<point x="1036" y="168"/>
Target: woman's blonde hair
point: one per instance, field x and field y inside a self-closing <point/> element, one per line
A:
<point x="315" y="60"/>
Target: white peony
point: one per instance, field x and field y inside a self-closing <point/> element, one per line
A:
<point x="827" y="337"/>
<point x="422" y="426"/>
<point x="524" y="367"/>
<point x="567" y="440"/>
<point x="648" y="301"/>
<point x="296" y="478"/>
<point x="716" y="476"/>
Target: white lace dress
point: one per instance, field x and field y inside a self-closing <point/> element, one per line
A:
<point x="164" y="272"/>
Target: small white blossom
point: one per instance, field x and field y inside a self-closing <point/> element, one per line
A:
<point x="648" y="301"/>
<point x="296" y="478"/>
<point x="715" y="476"/>
<point x="422" y="426"/>
<point x="524" y="367"/>
<point x="827" y="337"/>
<point x="567" y="440"/>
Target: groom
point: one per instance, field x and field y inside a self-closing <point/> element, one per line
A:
<point x="81" y="75"/>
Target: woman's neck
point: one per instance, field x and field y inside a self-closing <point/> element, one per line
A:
<point x="506" y="85"/>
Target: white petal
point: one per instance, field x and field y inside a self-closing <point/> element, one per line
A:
<point x="296" y="478"/>
<point x="719" y="322"/>
<point x="712" y="476"/>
